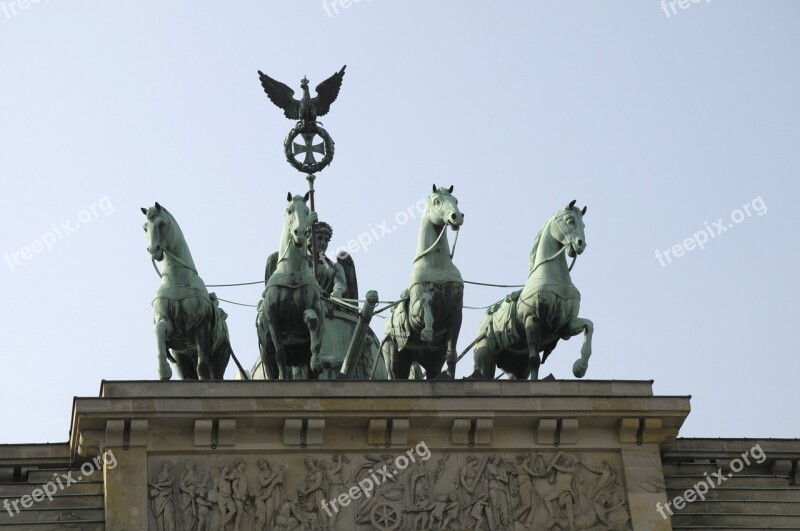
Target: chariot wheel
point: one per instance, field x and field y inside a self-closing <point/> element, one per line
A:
<point x="385" y="516"/>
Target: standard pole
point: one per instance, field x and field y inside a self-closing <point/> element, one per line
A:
<point x="314" y="258"/>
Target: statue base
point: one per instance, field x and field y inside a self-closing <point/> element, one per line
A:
<point x="379" y="455"/>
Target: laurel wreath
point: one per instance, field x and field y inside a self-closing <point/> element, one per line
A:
<point x="327" y="142"/>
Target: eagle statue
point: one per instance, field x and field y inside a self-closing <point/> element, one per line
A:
<point x="306" y="109"/>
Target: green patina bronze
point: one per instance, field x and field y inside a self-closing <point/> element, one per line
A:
<point x="424" y="329"/>
<point x="514" y="331"/>
<point x="290" y="318"/>
<point x="336" y="279"/>
<point x="188" y="319"/>
<point x="308" y="322"/>
<point x="305" y="111"/>
<point x="339" y="286"/>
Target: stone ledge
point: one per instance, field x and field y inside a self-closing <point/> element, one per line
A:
<point x="490" y="411"/>
<point x="373" y="388"/>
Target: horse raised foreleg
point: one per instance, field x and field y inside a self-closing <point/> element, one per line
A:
<point x="163" y="331"/>
<point x="427" y="316"/>
<point x="575" y="327"/>
<point x="533" y="330"/>
<point x="312" y="322"/>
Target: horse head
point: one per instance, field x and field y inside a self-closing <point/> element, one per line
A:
<point x="567" y="228"/>
<point x="296" y="219"/>
<point x="443" y="208"/>
<point x="158" y="228"/>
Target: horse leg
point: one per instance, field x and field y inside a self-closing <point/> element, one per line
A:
<point x="268" y="359"/>
<point x="265" y="347"/>
<point x="533" y="330"/>
<point x="280" y="352"/>
<point x="432" y="365"/>
<point x="575" y="327"/>
<point x="484" y="360"/>
<point x="389" y="352"/>
<point x="312" y="322"/>
<point x="184" y="363"/>
<point x="453" y="329"/>
<point x="220" y="360"/>
<point x="163" y="331"/>
<point x="401" y="365"/>
<point x="425" y="305"/>
<point x="204" y="347"/>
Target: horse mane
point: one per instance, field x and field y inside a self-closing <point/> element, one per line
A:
<point x="176" y="235"/>
<point x="538" y="238"/>
<point x="535" y="249"/>
<point x="177" y="232"/>
<point x="153" y="212"/>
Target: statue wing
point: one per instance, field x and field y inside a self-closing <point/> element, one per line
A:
<point x="327" y="91"/>
<point x="272" y="265"/>
<point x="282" y="96"/>
<point x="346" y="261"/>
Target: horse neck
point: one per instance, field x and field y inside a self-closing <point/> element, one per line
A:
<point x="428" y="234"/>
<point x="178" y="262"/>
<point x="290" y="257"/>
<point x="555" y="269"/>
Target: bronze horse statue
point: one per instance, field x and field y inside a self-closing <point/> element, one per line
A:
<point x="425" y="327"/>
<point x="289" y="320"/>
<point x="188" y="320"/>
<point x="514" y="331"/>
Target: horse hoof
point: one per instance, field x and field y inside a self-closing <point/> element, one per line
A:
<point x="579" y="369"/>
<point x="165" y="373"/>
<point x="426" y="335"/>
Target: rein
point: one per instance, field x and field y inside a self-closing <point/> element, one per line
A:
<point x="283" y="253"/>
<point x="156" y="267"/>
<point x="429" y="249"/>
<point x="455" y="242"/>
<point x="563" y="248"/>
<point x="184" y="264"/>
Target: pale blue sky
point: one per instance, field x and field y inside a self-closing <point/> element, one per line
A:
<point x="659" y="124"/>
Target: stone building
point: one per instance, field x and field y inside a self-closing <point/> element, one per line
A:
<point x="393" y="455"/>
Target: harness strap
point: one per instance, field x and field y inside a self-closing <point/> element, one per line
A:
<point x="563" y="248"/>
<point x="429" y="249"/>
